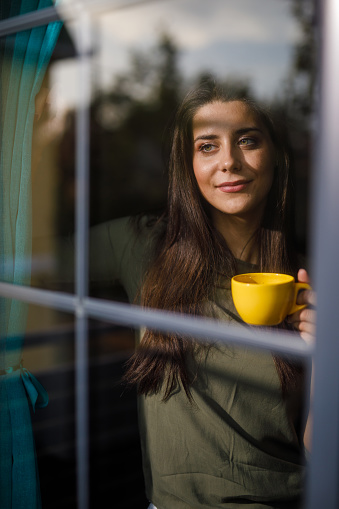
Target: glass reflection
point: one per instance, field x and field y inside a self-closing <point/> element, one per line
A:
<point x="134" y="96"/>
<point x="49" y="354"/>
<point x="145" y="59"/>
<point x="115" y="459"/>
<point x="114" y="439"/>
<point x="35" y="392"/>
<point x="53" y="188"/>
<point x="115" y="456"/>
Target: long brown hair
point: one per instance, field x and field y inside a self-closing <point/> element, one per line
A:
<point x="190" y="254"/>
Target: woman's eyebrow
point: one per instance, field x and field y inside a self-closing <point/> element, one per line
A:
<point x="206" y="137"/>
<point x="245" y="130"/>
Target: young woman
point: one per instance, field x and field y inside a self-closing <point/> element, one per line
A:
<point x="221" y="426"/>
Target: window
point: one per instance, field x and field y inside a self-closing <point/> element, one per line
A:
<point x="99" y="65"/>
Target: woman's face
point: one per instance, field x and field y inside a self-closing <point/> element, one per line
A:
<point x="233" y="159"/>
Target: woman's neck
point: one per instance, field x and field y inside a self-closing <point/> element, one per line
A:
<point x="240" y="236"/>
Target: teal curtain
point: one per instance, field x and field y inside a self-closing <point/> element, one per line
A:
<point x="23" y="61"/>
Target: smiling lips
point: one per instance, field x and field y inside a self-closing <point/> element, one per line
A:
<point x="233" y="187"/>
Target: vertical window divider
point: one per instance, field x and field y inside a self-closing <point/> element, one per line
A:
<point x="324" y="463"/>
<point x="82" y="215"/>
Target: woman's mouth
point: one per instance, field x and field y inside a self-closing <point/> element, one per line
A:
<point x="233" y="187"/>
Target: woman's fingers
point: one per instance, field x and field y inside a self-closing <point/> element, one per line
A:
<point x="303" y="276"/>
<point x="304" y="320"/>
<point x="307" y="297"/>
<point x="307" y="315"/>
<point x="308" y="337"/>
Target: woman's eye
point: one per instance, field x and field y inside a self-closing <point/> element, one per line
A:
<point x="245" y="142"/>
<point x="207" y="147"/>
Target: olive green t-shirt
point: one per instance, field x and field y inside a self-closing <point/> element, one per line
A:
<point x="238" y="444"/>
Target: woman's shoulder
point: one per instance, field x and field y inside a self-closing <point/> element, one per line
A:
<point x="141" y="228"/>
<point x="129" y="240"/>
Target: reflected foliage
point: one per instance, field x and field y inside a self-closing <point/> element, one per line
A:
<point x="130" y="127"/>
<point x="297" y="108"/>
<point x="302" y="80"/>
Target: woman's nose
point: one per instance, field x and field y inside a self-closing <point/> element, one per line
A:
<point x="229" y="160"/>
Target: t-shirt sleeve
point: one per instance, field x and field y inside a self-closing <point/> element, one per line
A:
<point x="108" y="245"/>
<point x="117" y="254"/>
<point x="123" y="253"/>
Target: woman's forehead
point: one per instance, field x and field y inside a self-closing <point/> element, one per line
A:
<point x="226" y="115"/>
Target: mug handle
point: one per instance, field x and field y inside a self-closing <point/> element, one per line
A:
<point x="297" y="287"/>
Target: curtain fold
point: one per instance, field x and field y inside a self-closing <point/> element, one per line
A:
<point x="23" y="62"/>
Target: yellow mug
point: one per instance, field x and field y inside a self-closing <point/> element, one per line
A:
<point x="264" y="298"/>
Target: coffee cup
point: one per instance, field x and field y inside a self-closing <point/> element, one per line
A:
<point x="264" y="298"/>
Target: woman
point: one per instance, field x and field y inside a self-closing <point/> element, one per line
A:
<point x="220" y="426"/>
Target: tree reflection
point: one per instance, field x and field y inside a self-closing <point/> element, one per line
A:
<point x="129" y="136"/>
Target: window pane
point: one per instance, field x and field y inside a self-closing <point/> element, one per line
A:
<point x="49" y="355"/>
<point x="53" y="171"/>
<point x="115" y="456"/>
<point x="34" y="189"/>
<point x="139" y="77"/>
<point x="237" y="416"/>
<point x="145" y="60"/>
<point x="37" y="394"/>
